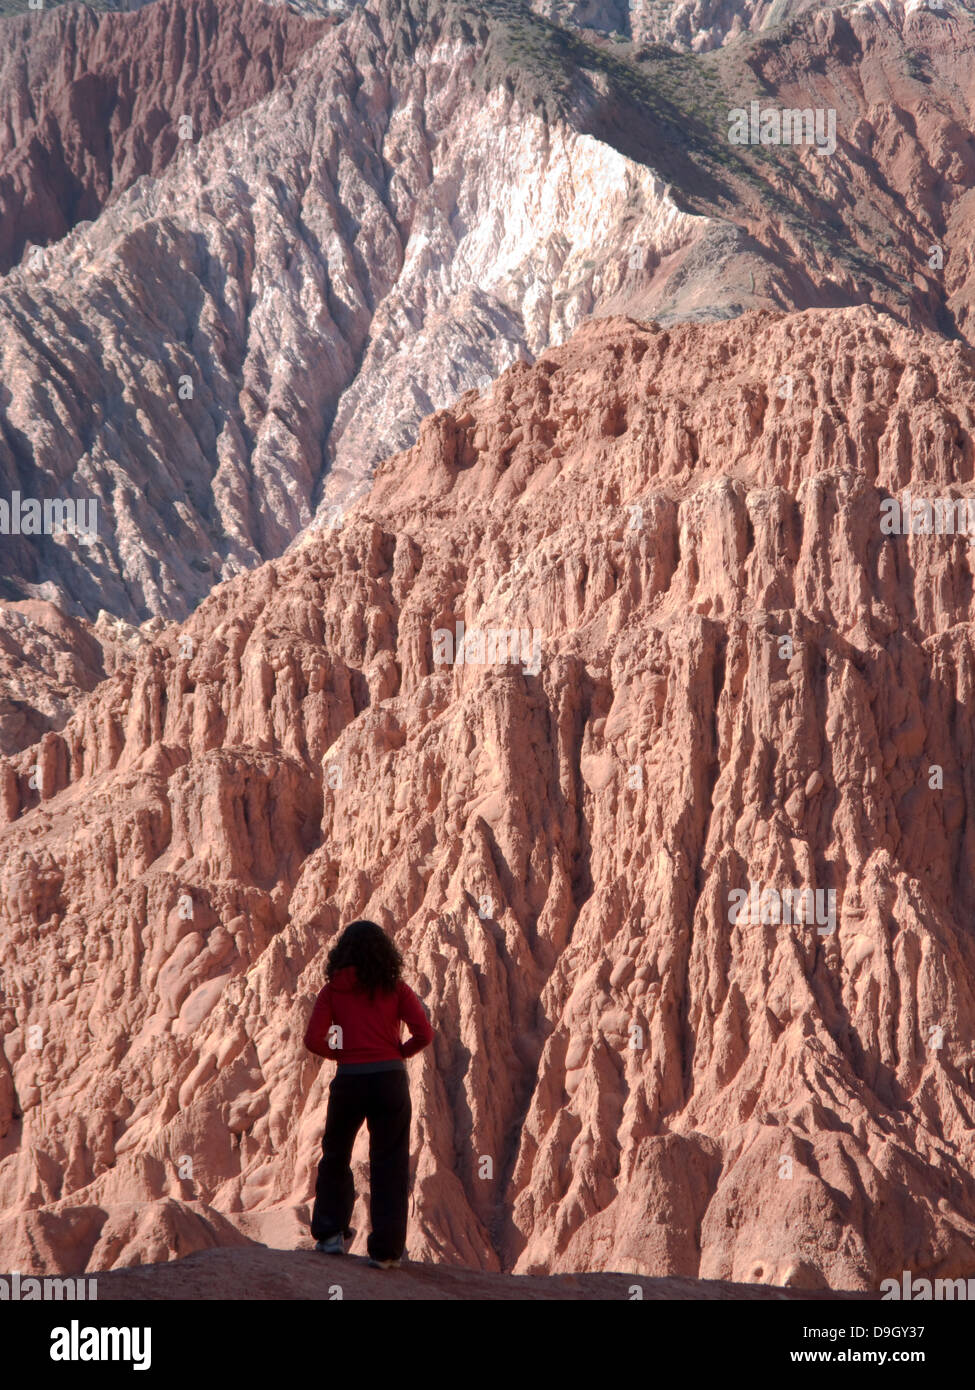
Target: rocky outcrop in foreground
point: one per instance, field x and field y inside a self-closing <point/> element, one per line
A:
<point x="703" y="690"/>
<point x="263" y="1274"/>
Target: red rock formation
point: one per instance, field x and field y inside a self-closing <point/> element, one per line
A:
<point x="893" y="203"/>
<point x="89" y="103"/>
<point x="361" y="233"/>
<point x="46" y="662"/>
<point x="49" y="662"/>
<point x="741" y="680"/>
<point x="292" y="294"/>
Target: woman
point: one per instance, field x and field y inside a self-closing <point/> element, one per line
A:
<point x="356" y="1021"/>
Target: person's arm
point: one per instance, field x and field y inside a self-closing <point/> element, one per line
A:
<point x="316" y="1034"/>
<point x="413" y="1014"/>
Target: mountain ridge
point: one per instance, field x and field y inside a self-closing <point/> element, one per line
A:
<point x="652" y="504"/>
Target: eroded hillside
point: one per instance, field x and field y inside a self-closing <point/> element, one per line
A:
<point x="730" y="676"/>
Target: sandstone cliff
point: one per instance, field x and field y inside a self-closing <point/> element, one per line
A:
<point x="740" y="680"/>
<point x="291" y="294"/>
<point x="379" y="212"/>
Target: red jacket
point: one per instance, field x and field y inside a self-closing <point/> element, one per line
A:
<point x="370" y="1027"/>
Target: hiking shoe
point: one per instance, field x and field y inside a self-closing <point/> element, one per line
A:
<point x="335" y="1245"/>
<point x="383" y="1264"/>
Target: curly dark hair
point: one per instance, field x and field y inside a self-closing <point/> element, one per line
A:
<point x="364" y="945"/>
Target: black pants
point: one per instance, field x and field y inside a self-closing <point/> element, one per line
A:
<point x="382" y="1099"/>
